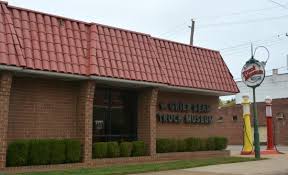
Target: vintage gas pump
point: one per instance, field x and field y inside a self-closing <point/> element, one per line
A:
<point x="269" y="121"/>
<point x="247" y="133"/>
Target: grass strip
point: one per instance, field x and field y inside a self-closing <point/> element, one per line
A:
<point x="146" y="167"/>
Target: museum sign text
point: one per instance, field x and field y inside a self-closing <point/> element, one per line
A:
<point x="184" y="113"/>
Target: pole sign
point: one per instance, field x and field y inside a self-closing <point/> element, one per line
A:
<point x="253" y="73"/>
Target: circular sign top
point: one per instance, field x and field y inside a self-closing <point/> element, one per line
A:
<point x="253" y="73"/>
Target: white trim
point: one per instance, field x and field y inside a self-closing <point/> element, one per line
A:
<point x="164" y="87"/>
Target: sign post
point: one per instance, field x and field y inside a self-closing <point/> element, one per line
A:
<point x="253" y="74"/>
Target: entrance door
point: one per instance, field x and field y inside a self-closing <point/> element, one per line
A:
<point x="114" y="115"/>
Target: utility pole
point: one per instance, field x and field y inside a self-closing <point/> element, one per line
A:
<point x="192" y="32"/>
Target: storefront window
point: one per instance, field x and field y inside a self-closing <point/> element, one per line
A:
<point x="114" y="115"/>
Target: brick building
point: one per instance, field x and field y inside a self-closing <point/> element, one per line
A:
<point x="231" y="118"/>
<point x="63" y="78"/>
<point x="274" y="86"/>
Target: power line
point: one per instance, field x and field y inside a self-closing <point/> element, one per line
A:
<point x="245" y="12"/>
<point x="281" y="5"/>
<point x="182" y="27"/>
<point x="247" y="46"/>
<point x="245" y="22"/>
<point x="221" y="16"/>
<point x="248" y="43"/>
<point x="176" y="28"/>
<point x="238" y="52"/>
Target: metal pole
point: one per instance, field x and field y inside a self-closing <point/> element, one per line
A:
<point x="256" y="132"/>
<point x="192" y="32"/>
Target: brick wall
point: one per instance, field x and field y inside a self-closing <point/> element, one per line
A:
<point x="146" y="129"/>
<point x="279" y="107"/>
<point x="49" y="108"/>
<point x="42" y="108"/>
<point x="5" y="85"/>
<point x="182" y="130"/>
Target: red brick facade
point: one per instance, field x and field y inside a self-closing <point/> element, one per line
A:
<point x="5" y="86"/>
<point x="57" y="108"/>
<point x="43" y="108"/>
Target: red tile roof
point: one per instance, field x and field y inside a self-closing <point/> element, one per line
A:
<point x="39" y="41"/>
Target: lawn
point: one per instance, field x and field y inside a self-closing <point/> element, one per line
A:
<point x="147" y="167"/>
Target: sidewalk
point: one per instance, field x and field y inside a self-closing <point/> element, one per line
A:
<point x="276" y="165"/>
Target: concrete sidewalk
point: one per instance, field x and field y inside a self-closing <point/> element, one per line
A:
<point x="276" y="165"/>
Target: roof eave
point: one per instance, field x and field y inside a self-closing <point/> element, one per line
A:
<point x="161" y="86"/>
<point x="116" y="81"/>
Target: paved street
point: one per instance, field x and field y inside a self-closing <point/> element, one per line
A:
<point x="276" y="165"/>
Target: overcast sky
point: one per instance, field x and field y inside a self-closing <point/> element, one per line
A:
<point x="225" y="25"/>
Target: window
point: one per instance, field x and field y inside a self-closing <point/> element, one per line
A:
<point x="114" y="115"/>
<point x="235" y="118"/>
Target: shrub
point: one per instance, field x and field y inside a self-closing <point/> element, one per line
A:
<point x="162" y="145"/>
<point x="100" y="150"/>
<point x="210" y="143"/>
<point x="43" y="152"/>
<point x="138" y="148"/>
<point x="113" y="149"/>
<point x="166" y="145"/>
<point x="73" y="150"/>
<point x="193" y="144"/>
<point x="220" y="143"/>
<point x="173" y="145"/>
<point x="57" y="151"/>
<point x="125" y="149"/>
<point x="181" y="145"/>
<point x="17" y="153"/>
<point x="203" y="144"/>
<point x="39" y="152"/>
